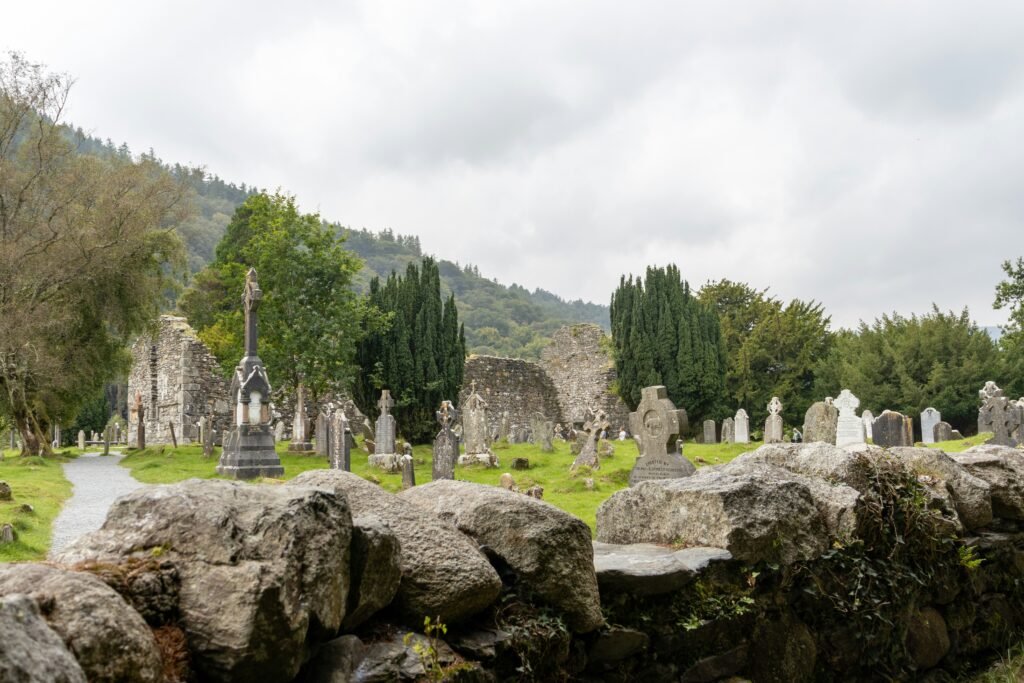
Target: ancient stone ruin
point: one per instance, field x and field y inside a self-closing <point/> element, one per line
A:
<point x="582" y="372"/>
<point x="178" y="381"/>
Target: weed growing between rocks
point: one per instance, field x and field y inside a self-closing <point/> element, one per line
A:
<point x="538" y="636"/>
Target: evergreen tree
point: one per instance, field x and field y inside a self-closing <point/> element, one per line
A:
<point x="663" y="335"/>
<point x="419" y="357"/>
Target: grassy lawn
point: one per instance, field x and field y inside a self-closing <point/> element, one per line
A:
<point x="41" y="484"/>
<point x="562" y="488"/>
<point x="960" y="444"/>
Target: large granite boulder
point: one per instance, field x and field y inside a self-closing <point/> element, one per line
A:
<point x="30" y="651"/>
<point x="444" y="573"/>
<point x="754" y="510"/>
<point x="264" y="570"/>
<point x="971" y="496"/>
<point x="1002" y="468"/>
<point x="109" y="640"/>
<point x="548" y="548"/>
<point x="376" y="569"/>
<point x="817" y="460"/>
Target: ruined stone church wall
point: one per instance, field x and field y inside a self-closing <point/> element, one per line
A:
<point x="583" y="372"/>
<point x="179" y="381"/>
<point x="519" y="387"/>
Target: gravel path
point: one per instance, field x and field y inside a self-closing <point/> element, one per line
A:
<point x="97" y="481"/>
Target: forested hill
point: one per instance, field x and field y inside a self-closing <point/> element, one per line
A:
<point x="500" y="320"/>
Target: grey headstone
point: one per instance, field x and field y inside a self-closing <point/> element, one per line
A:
<point x="868" y="418"/>
<point x="384" y="435"/>
<point x="446" y="444"/>
<point x="208" y="437"/>
<point x="543" y="432"/>
<point x="1002" y="417"/>
<point x="279" y="431"/>
<point x="656" y="424"/>
<point x="709" y="432"/>
<point x="849" y="427"/>
<point x="893" y="429"/>
<point x="943" y="431"/>
<point x="81" y="438"/>
<point x="773" y="425"/>
<point x="339" y="450"/>
<point x="408" y="472"/>
<point x="929" y="418"/>
<point x="820" y="422"/>
<point x="322" y="437"/>
<point x="742" y="426"/>
<point x="728" y="430"/>
<point x="474" y="424"/>
<point x="587" y="456"/>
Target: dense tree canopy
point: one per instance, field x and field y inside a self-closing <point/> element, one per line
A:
<point x="85" y="245"/>
<point x="908" y="364"/>
<point x="1010" y="294"/>
<point x="311" y="318"/>
<point x="419" y="357"/>
<point x="663" y="335"/>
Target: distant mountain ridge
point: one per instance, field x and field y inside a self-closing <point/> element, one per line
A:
<point x="500" y="320"/>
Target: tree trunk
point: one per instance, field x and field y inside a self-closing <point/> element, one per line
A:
<point x="33" y="437"/>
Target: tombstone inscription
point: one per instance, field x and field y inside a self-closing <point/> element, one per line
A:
<point x="849" y="427"/>
<point x="656" y="424"/>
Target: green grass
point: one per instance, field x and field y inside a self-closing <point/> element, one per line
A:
<point x="565" y="489"/>
<point x="40" y="483"/>
<point x="961" y="444"/>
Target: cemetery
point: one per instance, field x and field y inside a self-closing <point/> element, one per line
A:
<point x="243" y="442"/>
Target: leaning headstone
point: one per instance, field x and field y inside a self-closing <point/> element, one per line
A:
<point x="384" y="456"/>
<point x="820" y="422"/>
<point x="849" y="427"/>
<point x="81" y="439"/>
<point x="656" y="424"/>
<point x="474" y="430"/>
<point x="249" y="447"/>
<point x="868" y="418"/>
<point x="773" y="425"/>
<point x="339" y="450"/>
<point x="742" y="426"/>
<point x="446" y="444"/>
<point x="943" y="431"/>
<point x="300" y="427"/>
<point x="728" y="430"/>
<point x="588" y="457"/>
<point x="709" y="432"/>
<point x="892" y="429"/>
<point x="929" y="418"/>
<point x="543" y="432"/>
<point x="999" y="415"/>
<point x="323" y="433"/>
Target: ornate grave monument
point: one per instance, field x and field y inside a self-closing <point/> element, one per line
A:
<point x="656" y="424"/>
<point x="849" y="427"/>
<point x="474" y="431"/>
<point x="446" y="444"/>
<point x="773" y="425"/>
<point x="249" y="446"/>
<point x="384" y="456"/>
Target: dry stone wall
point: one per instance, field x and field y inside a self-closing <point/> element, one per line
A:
<point x="179" y="381"/>
<point x="511" y="385"/>
<point x="583" y="372"/>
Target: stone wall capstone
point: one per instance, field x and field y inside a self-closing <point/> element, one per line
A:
<point x="179" y="381"/>
<point x="582" y="371"/>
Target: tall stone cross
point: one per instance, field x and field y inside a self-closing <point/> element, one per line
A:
<point x="386" y="403"/>
<point x="656" y="421"/>
<point x="774" y="406"/>
<point x="251" y="296"/>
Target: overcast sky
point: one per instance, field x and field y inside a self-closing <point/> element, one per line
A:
<point x="869" y="155"/>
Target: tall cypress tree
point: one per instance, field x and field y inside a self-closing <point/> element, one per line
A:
<point x="419" y="357"/>
<point x="663" y="335"/>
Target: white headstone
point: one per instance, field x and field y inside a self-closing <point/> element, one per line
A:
<point x="929" y="418"/>
<point x="868" y="418"/>
<point x="850" y="428"/>
<point x="742" y="426"/>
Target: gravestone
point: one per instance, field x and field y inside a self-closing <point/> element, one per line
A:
<point x="709" y="432"/>
<point x="300" y="427"/>
<point x="593" y="428"/>
<point x="249" y="447"/>
<point x="892" y="429"/>
<point x="117" y="432"/>
<point x="849" y="427"/>
<point x="339" y="450"/>
<point x="773" y="425"/>
<point x="139" y="413"/>
<point x="323" y="433"/>
<point x="988" y="392"/>
<point x="543" y="432"/>
<point x="446" y="444"/>
<point x="503" y="427"/>
<point x="1019" y="435"/>
<point x="820" y="422"/>
<point x="81" y="439"/>
<point x="943" y="431"/>
<point x="474" y="430"/>
<point x="728" y="430"/>
<point x="868" y="418"/>
<point x="408" y="471"/>
<point x="1001" y="416"/>
<point x="656" y="425"/>
<point x="107" y="433"/>
<point x="929" y="418"/>
<point x="279" y="431"/>
<point x="384" y="456"/>
<point x="742" y="426"/>
<point x="207" y="435"/>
